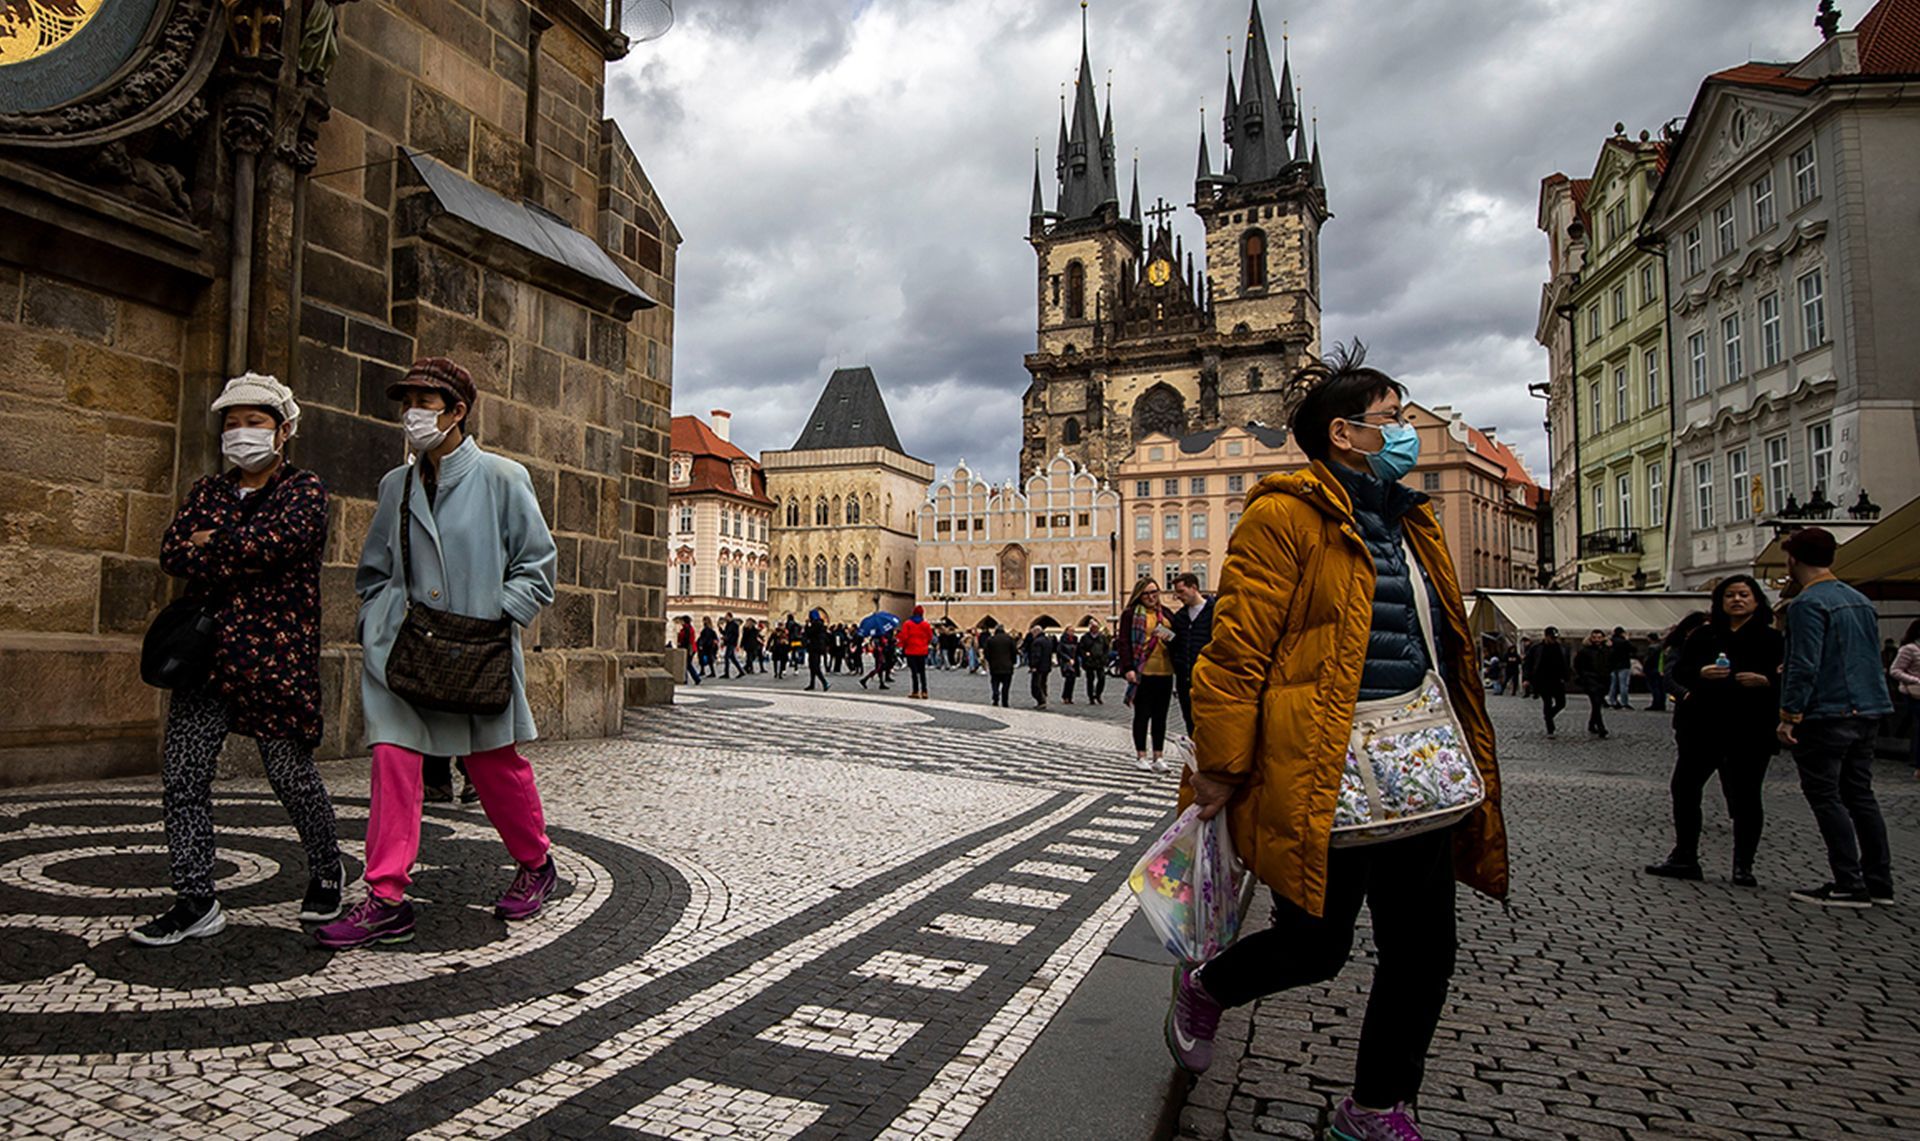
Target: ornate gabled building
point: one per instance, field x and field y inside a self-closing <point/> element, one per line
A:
<point x="1133" y="337"/>
<point x="846" y="501"/>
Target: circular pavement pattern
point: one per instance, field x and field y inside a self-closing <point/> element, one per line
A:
<point x="77" y="873"/>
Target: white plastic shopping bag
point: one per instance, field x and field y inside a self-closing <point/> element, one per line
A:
<point x="1192" y="887"/>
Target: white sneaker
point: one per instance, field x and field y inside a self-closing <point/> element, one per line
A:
<point x="1160" y="765"/>
<point x="1144" y="764"/>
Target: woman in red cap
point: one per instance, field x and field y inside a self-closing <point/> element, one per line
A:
<point x="474" y="544"/>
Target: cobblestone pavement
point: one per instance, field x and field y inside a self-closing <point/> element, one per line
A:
<point x="849" y="914"/>
<point x="785" y="915"/>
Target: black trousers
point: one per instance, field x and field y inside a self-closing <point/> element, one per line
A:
<point x="1150" y="700"/>
<point x="1038" y="678"/>
<point x="1596" y="719"/>
<point x="917" y="671"/>
<point x="813" y="671"/>
<point x="1835" y="758"/>
<point x="1551" y="703"/>
<point x="1002" y="687"/>
<point x="1407" y="885"/>
<point x="1067" y="678"/>
<point x="1096" y="683"/>
<point x="1183" y="689"/>
<point x="1742" y="768"/>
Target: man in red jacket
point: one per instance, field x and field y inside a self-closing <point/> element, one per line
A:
<point x="916" y="639"/>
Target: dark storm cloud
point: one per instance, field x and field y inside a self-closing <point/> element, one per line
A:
<point x="852" y="179"/>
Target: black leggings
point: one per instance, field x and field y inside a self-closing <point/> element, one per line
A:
<point x="813" y="671"/>
<point x="1408" y="886"/>
<point x="1150" y="700"/>
<point x="917" y="669"/>
<point x="1742" y="769"/>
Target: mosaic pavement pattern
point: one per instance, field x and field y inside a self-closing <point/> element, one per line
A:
<point x="784" y="916"/>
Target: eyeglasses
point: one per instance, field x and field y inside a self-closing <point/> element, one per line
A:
<point x="1399" y="418"/>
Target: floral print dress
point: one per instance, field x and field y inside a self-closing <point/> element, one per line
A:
<point x="262" y="570"/>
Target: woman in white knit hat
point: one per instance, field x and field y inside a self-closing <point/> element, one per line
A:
<point x="249" y="541"/>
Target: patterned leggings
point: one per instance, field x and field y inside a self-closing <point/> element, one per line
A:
<point x="196" y="729"/>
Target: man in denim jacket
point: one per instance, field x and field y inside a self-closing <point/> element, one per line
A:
<point x="1831" y="699"/>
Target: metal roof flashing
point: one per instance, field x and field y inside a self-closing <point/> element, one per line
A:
<point x="524" y="240"/>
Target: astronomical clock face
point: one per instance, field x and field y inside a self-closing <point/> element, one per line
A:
<point x="52" y="51"/>
<point x="1159" y="271"/>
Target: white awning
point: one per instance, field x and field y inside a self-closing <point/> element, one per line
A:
<point x="1888" y="551"/>
<point x="1510" y="613"/>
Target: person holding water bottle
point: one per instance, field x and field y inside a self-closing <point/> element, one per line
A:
<point x="1727" y="679"/>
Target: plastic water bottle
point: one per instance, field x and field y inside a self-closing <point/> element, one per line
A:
<point x="1721" y="662"/>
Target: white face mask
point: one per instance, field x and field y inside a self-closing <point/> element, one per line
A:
<point x="249" y="449"/>
<point x="423" y="429"/>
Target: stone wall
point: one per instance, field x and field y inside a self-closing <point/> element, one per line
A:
<point x="115" y="322"/>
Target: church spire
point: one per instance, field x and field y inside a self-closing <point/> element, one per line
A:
<point x="1300" y="141"/>
<point x="1205" y="174"/>
<point x="1133" y="212"/>
<point x="1260" y="129"/>
<point x="1232" y="104"/>
<point x="1039" y="203"/>
<point x="1289" y="106"/>
<point x="1088" y="181"/>
<point x="1319" y="178"/>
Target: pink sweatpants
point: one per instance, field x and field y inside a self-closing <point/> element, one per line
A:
<point x="504" y="781"/>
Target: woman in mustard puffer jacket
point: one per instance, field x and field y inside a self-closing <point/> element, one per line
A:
<point x="1316" y="612"/>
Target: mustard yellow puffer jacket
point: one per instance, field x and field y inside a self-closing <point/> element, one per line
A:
<point x="1274" y="691"/>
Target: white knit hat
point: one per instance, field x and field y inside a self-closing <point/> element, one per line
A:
<point x="252" y="388"/>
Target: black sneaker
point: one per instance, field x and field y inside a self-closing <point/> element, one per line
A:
<point x="1829" y="895"/>
<point x="1881" y="896"/>
<point x="1675" y="869"/>
<point x="468" y="793"/>
<point x="1743" y="877"/>
<point x="323" y="898"/>
<point x="189" y="919"/>
<point x="439" y="794"/>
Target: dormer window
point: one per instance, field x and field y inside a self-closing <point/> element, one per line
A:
<point x="742" y="476"/>
<point x="681" y="470"/>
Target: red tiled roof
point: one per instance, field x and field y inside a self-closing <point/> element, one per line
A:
<point x="691" y="435"/>
<point x="1889" y="38"/>
<point x="1774" y="75"/>
<point x="1513" y="472"/>
<point x="1578" y="188"/>
<point x="713" y="460"/>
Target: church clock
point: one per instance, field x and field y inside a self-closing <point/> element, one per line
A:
<point x="1159" y="271"/>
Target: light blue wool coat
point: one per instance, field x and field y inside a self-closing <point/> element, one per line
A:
<point x="481" y="549"/>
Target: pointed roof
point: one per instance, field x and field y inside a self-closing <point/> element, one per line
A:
<point x="1087" y="179"/>
<point x="1205" y="173"/>
<point x="1039" y="203"/>
<point x="1300" y="151"/>
<point x="1889" y="38"/>
<point x="1319" y="178"/>
<point x="1232" y="104"/>
<point x="1133" y="211"/>
<point x="1260" y="127"/>
<point x="1289" y="104"/>
<point x="851" y="414"/>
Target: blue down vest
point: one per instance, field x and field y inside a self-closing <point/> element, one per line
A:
<point x="1396" y="653"/>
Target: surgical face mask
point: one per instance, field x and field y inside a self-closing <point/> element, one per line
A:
<point x="1397" y="455"/>
<point x="249" y="449"/>
<point x="423" y="429"/>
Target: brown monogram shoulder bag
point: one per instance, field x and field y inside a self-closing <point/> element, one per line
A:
<point x="452" y="663"/>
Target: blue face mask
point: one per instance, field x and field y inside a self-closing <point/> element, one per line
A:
<point x="1398" y="455"/>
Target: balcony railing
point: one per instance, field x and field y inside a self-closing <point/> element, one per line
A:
<point x="1610" y="541"/>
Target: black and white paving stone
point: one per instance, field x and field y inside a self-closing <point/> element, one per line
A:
<point x="784" y="915"/>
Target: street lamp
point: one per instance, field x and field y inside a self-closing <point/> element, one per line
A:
<point x="946" y="602"/>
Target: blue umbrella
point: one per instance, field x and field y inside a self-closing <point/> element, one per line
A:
<point x="879" y="622"/>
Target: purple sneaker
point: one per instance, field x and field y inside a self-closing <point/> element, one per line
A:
<point x="529" y="892"/>
<point x="373" y="921"/>
<point x="1351" y="1123"/>
<point x="1192" y="1019"/>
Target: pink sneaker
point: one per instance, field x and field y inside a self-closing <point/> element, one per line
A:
<point x="373" y="920"/>
<point x="528" y="893"/>
<point x="1351" y="1123"/>
<point x="1192" y="1020"/>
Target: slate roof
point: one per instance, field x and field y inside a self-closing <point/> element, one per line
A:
<point x="1201" y="441"/>
<point x="851" y="414"/>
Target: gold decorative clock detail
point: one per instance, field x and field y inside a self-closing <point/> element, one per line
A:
<point x="30" y="29"/>
<point x="1159" y="271"/>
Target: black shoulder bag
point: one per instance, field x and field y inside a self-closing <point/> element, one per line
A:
<point x="452" y="663"/>
<point x="177" y="652"/>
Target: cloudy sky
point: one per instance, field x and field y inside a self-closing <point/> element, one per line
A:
<point x="852" y="178"/>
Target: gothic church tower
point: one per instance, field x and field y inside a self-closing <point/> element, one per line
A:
<point x="1132" y="338"/>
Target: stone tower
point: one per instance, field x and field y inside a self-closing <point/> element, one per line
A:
<point x="1132" y="337"/>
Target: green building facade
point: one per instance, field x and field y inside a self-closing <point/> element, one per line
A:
<point x="1622" y="382"/>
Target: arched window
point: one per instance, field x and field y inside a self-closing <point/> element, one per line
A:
<point x="820" y="570"/>
<point x="793" y="571"/>
<point x="1071" y="433"/>
<point x="853" y="571"/>
<point x="793" y="512"/>
<point x="853" y="509"/>
<point x="1076" y="291"/>
<point x="1253" y="260"/>
<point x="820" y="512"/>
